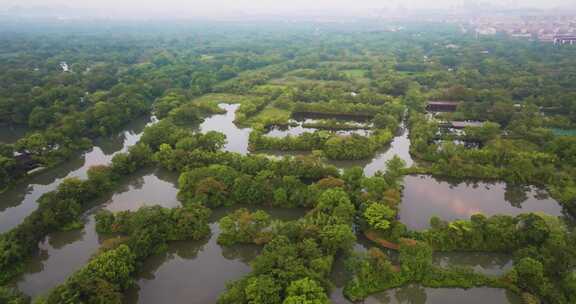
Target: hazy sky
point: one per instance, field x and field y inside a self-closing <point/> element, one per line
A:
<point x="199" y="7"/>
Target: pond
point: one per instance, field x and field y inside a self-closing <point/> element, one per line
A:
<point x="10" y="134"/>
<point x="414" y="294"/>
<point x="425" y="196"/>
<point x="400" y="146"/>
<point x="196" y="272"/>
<point x="237" y="138"/>
<point x="487" y="263"/>
<point x="63" y="253"/>
<point x="18" y="202"/>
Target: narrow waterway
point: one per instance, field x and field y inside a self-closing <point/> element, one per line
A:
<point x="21" y="200"/>
<point x="400" y="146"/>
<point x="196" y="272"/>
<point x="415" y="294"/>
<point x="63" y="253"/>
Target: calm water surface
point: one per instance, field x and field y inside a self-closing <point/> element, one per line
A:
<point x="425" y="197"/>
<point x="237" y="139"/>
<point x="19" y="201"/>
<point x="63" y="253"/>
<point x="487" y="263"/>
<point x="196" y="272"/>
<point x="399" y="146"/>
<point x="481" y="262"/>
<point x="414" y="294"/>
<point x="10" y="134"/>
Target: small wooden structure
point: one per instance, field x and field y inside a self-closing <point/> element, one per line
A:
<point x="442" y="106"/>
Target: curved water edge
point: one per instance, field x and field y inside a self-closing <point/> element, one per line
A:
<point x="236" y="138"/>
<point x="488" y="263"/>
<point x="425" y="197"/>
<point x="400" y="146"/>
<point x="196" y="272"/>
<point x="21" y="200"/>
<point x="9" y="134"/>
<point x="415" y="294"/>
<point x="187" y="270"/>
<point x="63" y="253"/>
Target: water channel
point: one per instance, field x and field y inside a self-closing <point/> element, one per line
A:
<point x="196" y="272"/>
<point x="21" y="200"/>
<point x="415" y="294"/>
<point x="63" y="253"/>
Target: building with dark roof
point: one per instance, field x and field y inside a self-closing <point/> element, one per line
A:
<point x="442" y="106"/>
<point x="564" y="39"/>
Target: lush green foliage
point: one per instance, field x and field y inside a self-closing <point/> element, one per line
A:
<point x="63" y="207"/>
<point x="242" y="226"/>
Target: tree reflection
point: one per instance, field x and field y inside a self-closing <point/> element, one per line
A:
<point x="516" y="195"/>
<point x="412" y="294"/>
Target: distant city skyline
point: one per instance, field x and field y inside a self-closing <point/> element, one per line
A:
<point x="180" y="8"/>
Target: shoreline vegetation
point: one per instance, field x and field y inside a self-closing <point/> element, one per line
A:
<point x="376" y="82"/>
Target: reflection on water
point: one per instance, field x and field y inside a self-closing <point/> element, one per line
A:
<point x="19" y="201"/>
<point x="400" y="146"/>
<point x="299" y="129"/>
<point x="10" y="134"/>
<point x="157" y="188"/>
<point x="237" y="139"/>
<point x="414" y="294"/>
<point x="60" y="255"/>
<point x="482" y="262"/>
<point x="196" y="272"/>
<point x="63" y="253"/>
<point x="425" y="197"/>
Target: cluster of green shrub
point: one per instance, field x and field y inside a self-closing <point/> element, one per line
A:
<point x="295" y="265"/>
<point x="334" y="146"/>
<point x="298" y="256"/>
<point x="541" y="245"/>
<point x="373" y="272"/>
<point x="245" y="227"/>
<point x="221" y="185"/>
<point x="12" y="296"/>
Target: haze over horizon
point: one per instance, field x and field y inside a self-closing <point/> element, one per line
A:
<point x="183" y="8"/>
